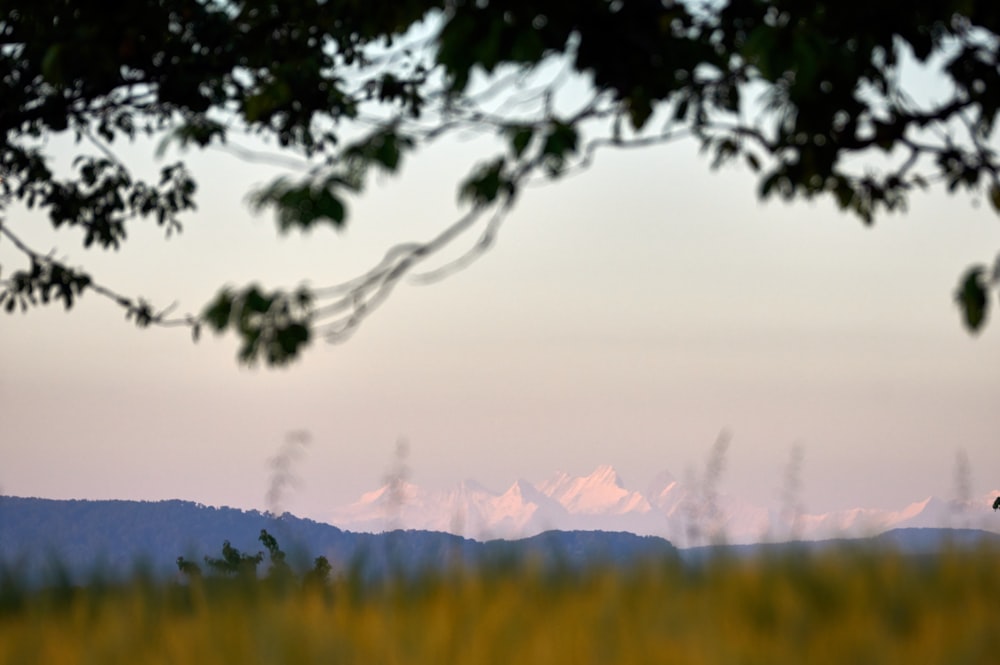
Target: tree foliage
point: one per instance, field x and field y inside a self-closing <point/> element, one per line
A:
<point x="806" y="95"/>
<point x="235" y="563"/>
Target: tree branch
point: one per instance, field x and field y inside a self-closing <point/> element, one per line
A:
<point x="352" y="301"/>
<point x="20" y="290"/>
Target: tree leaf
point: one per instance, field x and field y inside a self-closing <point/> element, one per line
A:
<point x="520" y="138"/>
<point x="218" y="312"/>
<point x="995" y="196"/>
<point x="973" y="299"/>
<point x="486" y="184"/>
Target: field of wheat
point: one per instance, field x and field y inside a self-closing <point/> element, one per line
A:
<point x="836" y="607"/>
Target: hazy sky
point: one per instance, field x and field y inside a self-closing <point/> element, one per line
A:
<point x="626" y="316"/>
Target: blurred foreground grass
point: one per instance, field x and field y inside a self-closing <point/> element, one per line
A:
<point x="836" y="607"/>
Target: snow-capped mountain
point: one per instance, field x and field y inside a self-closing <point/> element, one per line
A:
<point x="599" y="493"/>
<point x="686" y="515"/>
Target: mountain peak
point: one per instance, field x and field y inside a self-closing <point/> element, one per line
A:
<point x="606" y="474"/>
<point x="600" y="492"/>
<point x="559" y="483"/>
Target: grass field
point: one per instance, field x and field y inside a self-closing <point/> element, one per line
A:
<point x="838" y="608"/>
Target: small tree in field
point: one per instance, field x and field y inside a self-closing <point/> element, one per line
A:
<point x="234" y="563"/>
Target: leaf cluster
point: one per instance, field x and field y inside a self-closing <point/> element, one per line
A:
<point x="44" y="281"/>
<point x="274" y="326"/>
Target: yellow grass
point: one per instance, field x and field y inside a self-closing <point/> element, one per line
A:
<point x="837" y="608"/>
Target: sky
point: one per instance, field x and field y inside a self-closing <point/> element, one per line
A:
<point x="626" y="316"/>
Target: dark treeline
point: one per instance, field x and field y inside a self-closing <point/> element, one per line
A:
<point x="77" y="539"/>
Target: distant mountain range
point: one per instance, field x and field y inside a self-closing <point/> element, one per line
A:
<point x="687" y="516"/>
<point x="44" y="539"/>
